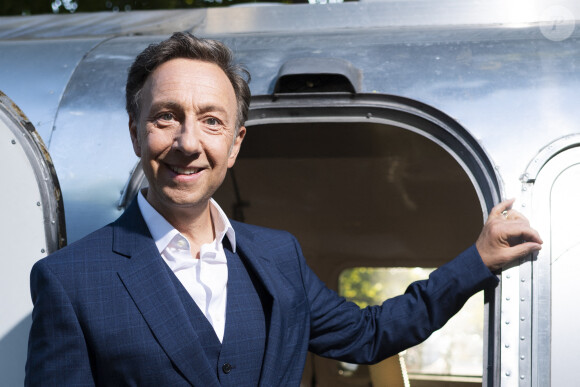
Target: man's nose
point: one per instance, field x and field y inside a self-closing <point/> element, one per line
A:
<point x="187" y="140"/>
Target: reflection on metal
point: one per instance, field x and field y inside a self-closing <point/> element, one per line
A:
<point x="136" y="181"/>
<point x="31" y="226"/>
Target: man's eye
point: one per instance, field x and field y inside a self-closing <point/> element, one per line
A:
<point x="211" y="121"/>
<point x="166" y="117"/>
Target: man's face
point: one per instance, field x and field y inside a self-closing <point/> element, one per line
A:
<point x="185" y="134"/>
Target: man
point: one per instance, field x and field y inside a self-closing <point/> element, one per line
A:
<point x="174" y="294"/>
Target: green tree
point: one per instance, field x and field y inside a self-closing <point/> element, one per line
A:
<point x="32" y="7"/>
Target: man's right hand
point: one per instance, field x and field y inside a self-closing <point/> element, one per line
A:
<point x="506" y="236"/>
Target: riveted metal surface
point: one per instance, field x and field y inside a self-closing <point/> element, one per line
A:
<point x="509" y="326"/>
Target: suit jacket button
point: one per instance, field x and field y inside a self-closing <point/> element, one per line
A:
<point x="227" y="368"/>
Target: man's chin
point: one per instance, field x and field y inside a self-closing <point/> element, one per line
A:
<point x="170" y="201"/>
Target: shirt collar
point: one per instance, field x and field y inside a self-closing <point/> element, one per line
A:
<point x="163" y="232"/>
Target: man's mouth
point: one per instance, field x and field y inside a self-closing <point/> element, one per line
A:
<point x="184" y="171"/>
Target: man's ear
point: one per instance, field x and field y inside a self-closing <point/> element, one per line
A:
<point x="236" y="146"/>
<point x="134" y="131"/>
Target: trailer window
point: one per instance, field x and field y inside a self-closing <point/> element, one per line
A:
<point x="455" y="350"/>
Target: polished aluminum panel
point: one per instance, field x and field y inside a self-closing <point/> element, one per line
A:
<point x="392" y="13"/>
<point x="556" y="211"/>
<point x="565" y="258"/>
<point x="91" y="146"/>
<point x="505" y="86"/>
<point x="36" y="74"/>
<point x="31" y="226"/>
<point x="105" y="24"/>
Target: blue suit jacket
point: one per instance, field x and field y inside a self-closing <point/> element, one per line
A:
<point x="107" y="313"/>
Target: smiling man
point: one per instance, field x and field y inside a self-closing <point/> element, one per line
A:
<point x="173" y="293"/>
<point x="187" y="135"/>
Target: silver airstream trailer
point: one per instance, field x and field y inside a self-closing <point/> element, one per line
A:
<point x="380" y="134"/>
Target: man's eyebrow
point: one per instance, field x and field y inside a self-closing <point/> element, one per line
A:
<point x="170" y="105"/>
<point x="212" y="108"/>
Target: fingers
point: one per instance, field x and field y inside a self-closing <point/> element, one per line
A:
<point x="524" y="249"/>
<point x="511" y="253"/>
<point x="506" y="236"/>
<point x="498" y="210"/>
<point x="504" y="211"/>
<point x="522" y="230"/>
<point x="518" y="226"/>
<point x="512" y="215"/>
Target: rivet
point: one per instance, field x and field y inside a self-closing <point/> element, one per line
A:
<point x="522" y="357"/>
<point x="524" y="188"/>
<point x="13" y="142"/>
<point x="523" y="204"/>
<point x="522" y="299"/>
<point x="522" y="377"/>
<point x="523" y="318"/>
<point x="507" y="298"/>
<point x="522" y="338"/>
<point x="38" y="204"/>
<point x="507" y="276"/>
<point x="369" y="115"/>
<point x="507" y="345"/>
<point x="508" y="373"/>
<point x="523" y="280"/>
<point x="507" y="323"/>
<point x="42" y="251"/>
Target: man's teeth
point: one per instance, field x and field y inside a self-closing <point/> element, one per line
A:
<point x="185" y="171"/>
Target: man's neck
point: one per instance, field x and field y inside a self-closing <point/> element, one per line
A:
<point x="194" y="222"/>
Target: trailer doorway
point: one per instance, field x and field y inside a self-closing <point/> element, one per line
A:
<point x="364" y="181"/>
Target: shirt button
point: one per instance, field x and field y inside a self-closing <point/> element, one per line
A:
<point x="227" y="368"/>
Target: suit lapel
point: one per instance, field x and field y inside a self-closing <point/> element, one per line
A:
<point x="251" y="252"/>
<point x="147" y="281"/>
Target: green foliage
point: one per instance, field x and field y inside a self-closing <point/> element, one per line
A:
<point x="33" y="7"/>
<point x="24" y="7"/>
<point x="371" y="286"/>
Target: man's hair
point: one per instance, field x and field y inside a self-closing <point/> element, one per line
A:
<point x="185" y="45"/>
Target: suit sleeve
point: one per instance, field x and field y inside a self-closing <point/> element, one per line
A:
<point x="342" y="331"/>
<point x="57" y="352"/>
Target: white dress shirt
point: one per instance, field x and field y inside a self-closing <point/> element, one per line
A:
<point x="206" y="278"/>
